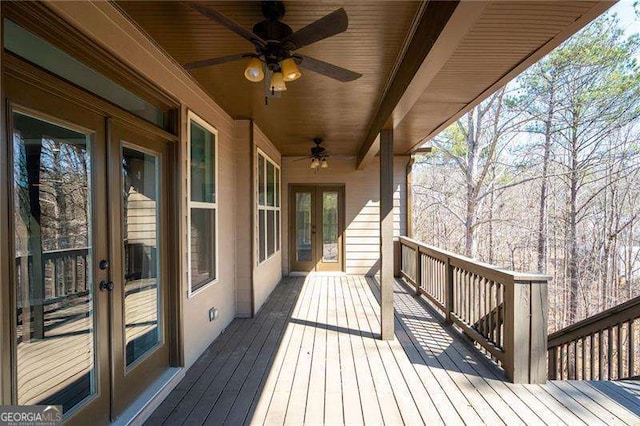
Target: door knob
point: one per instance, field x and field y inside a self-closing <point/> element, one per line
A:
<point x="104" y="264"/>
<point x="106" y="285"/>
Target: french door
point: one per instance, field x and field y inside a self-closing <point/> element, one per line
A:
<point x="316" y="228"/>
<point x="89" y="214"/>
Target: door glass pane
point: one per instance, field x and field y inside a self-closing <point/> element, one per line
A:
<point x="203" y="247"/>
<point x="330" y="227"/>
<point x="303" y="226"/>
<point x="141" y="218"/>
<point x="203" y="171"/>
<point x="53" y="263"/>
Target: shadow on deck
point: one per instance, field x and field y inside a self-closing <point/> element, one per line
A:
<point x="311" y="355"/>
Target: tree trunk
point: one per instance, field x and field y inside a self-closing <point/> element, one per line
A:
<point x="542" y="208"/>
<point x="472" y="148"/>
<point x="573" y="235"/>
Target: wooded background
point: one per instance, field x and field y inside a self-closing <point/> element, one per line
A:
<point x="545" y="175"/>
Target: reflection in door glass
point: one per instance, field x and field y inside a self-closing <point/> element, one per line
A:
<point x="303" y="226"/>
<point x="330" y="227"/>
<point x="141" y="216"/>
<point x="53" y="263"/>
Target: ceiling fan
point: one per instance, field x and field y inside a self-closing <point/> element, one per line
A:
<point x="319" y="156"/>
<point x="275" y="44"/>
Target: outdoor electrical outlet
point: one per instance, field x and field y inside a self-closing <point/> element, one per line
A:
<point x="213" y="314"/>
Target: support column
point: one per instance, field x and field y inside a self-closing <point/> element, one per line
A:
<point x="386" y="234"/>
<point x="409" y="203"/>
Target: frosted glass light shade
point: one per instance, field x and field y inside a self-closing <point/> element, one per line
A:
<point x="277" y="82"/>
<point x="254" y="71"/>
<point x="290" y="70"/>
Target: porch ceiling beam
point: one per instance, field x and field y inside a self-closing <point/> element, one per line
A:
<point x="433" y="20"/>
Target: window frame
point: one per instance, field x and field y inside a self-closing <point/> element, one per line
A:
<point x="193" y="117"/>
<point x="265" y="207"/>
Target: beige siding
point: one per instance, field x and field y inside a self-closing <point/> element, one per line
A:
<point x="362" y="206"/>
<point x="244" y="206"/>
<point x="267" y="274"/>
<point x="254" y="282"/>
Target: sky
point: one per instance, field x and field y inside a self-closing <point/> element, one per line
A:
<point x="629" y="20"/>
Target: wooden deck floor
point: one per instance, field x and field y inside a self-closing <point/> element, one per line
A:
<point x="311" y="356"/>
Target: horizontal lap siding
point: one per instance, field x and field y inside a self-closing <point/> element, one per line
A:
<point x="243" y="185"/>
<point x="269" y="273"/>
<point x="362" y="218"/>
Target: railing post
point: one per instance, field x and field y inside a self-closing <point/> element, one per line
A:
<point x="525" y="331"/>
<point x="448" y="301"/>
<point x="397" y="258"/>
<point x="418" y="271"/>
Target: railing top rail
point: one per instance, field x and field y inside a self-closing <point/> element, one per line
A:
<point x="481" y="268"/>
<point x="600" y="321"/>
<point x="78" y="251"/>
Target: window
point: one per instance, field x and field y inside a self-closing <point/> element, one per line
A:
<point x="203" y="204"/>
<point x="268" y="186"/>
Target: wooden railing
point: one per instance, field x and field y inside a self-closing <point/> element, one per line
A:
<point x="504" y="312"/>
<point x="601" y="347"/>
<point x="65" y="281"/>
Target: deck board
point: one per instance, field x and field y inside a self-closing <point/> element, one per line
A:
<point x="312" y="356"/>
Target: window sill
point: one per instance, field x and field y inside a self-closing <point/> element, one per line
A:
<point x="269" y="258"/>
<point x="193" y="293"/>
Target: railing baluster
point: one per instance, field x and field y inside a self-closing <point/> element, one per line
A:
<point x="609" y="353"/>
<point x="591" y="357"/>
<point x="619" y="351"/>
<point x="600" y="355"/>
<point x="418" y="270"/>
<point x="631" y="349"/>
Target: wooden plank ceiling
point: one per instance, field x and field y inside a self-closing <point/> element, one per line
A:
<point x="483" y="45"/>
<point x="312" y="106"/>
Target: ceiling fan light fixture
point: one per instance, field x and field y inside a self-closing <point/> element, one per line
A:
<point x="315" y="163"/>
<point x="324" y="163"/>
<point x="277" y="82"/>
<point x="290" y="69"/>
<point x="254" y="71"/>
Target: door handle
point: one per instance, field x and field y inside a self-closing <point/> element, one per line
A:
<point x="106" y="285"/>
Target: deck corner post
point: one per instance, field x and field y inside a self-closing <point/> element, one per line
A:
<point x="386" y="235"/>
<point x="525" y="325"/>
<point x="449" y="292"/>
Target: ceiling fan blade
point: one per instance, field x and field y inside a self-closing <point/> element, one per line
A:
<point x="295" y="159"/>
<point x="325" y="68"/>
<point x="216" y="61"/>
<point x="334" y="23"/>
<point x="229" y="23"/>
